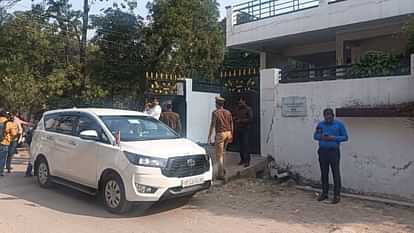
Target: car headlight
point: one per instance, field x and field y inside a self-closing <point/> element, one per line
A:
<point x="146" y="161"/>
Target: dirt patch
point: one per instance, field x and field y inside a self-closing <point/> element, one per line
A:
<point x="254" y="199"/>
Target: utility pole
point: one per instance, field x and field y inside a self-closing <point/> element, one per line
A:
<point x="82" y="54"/>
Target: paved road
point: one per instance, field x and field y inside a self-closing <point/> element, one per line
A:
<point x="242" y="207"/>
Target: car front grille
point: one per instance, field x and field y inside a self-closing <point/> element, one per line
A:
<point x="186" y="166"/>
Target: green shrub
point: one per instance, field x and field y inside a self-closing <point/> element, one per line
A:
<point x="408" y="29"/>
<point x="377" y="63"/>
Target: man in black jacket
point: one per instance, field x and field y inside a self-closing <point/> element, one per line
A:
<point x="243" y="119"/>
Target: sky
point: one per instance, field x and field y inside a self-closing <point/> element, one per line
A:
<point x="97" y="5"/>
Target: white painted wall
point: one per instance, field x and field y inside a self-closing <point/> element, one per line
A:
<point x="322" y="17"/>
<point x="200" y="105"/>
<point x="379" y="158"/>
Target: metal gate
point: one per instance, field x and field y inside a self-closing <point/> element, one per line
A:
<point x="244" y="82"/>
<point x="168" y="87"/>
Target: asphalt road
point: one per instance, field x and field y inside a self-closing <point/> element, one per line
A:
<point x="242" y="206"/>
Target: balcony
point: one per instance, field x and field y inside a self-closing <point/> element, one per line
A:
<point x="261" y="9"/>
<point x="257" y="25"/>
<point x="383" y="68"/>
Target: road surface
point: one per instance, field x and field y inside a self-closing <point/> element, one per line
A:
<point x="242" y="206"/>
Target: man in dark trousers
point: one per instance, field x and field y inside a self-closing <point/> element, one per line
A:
<point x="330" y="133"/>
<point x="170" y="118"/>
<point x="243" y="119"/>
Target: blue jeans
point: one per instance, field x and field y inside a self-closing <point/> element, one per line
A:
<point x="11" y="153"/>
<point x="4" y="151"/>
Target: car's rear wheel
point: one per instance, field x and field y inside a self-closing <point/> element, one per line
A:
<point x="43" y="174"/>
<point x="113" y="195"/>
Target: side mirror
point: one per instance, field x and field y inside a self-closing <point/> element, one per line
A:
<point x="89" y="135"/>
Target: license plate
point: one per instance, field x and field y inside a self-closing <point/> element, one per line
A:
<point x="192" y="181"/>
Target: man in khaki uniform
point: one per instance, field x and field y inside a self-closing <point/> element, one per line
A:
<point x="172" y="119"/>
<point x="10" y="132"/>
<point x="222" y="123"/>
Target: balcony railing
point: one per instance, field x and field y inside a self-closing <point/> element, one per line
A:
<point x="261" y="9"/>
<point x="292" y="75"/>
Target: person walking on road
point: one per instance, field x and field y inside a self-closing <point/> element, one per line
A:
<point x="170" y="118"/>
<point x="243" y="118"/>
<point x="8" y="132"/>
<point x="222" y="124"/>
<point x="17" y="122"/>
<point x="330" y="133"/>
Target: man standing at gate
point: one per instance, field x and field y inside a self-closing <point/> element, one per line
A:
<point x="170" y="118"/>
<point x="330" y="133"/>
<point x="222" y="123"/>
<point x="243" y="119"/>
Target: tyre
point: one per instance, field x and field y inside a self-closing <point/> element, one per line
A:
<point x="113" y="195"/>
<point x="43" y="174"/>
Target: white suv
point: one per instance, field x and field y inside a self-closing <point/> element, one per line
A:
<point x="125" y="156"/>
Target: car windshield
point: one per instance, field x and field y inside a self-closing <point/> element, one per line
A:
<point x="138" y="128"/>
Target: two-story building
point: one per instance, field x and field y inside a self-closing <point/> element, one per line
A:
<point x="317" y="33"/>
<point x="313" y="56"/>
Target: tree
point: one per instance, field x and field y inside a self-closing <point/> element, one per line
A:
<point x="184" y="36"/>
<point x="38" y="65"/>
<point x="132" y="4"/>
<point x="119" y="64"/>
<point x="236" y="58"/>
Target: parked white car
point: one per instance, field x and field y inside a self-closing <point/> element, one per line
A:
<point x="125" y="156"/>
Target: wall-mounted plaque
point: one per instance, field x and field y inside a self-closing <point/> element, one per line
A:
<point x="294" y="106"/>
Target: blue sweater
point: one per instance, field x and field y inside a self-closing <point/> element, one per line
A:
<point x="336" y="128"/>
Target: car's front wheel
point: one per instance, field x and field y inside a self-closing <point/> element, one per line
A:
<point x="43" y="174"/>
<point x="113" y="195"/>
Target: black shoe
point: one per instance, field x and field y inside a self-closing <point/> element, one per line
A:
<point x="247" y="164"/>
<point x="241" y="162"/>
<point x="322" y="197"/>
<point x="336" y="200"/>
<point x="1" y="174"/>
<point x="9" y="170"/>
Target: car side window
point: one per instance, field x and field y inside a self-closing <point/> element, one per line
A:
<point x="66" y="125"/>
<point x="51" y="122"/>
<point x="87" y="123"/>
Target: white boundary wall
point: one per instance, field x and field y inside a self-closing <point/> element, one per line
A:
<point x="378" y="159"/>
<point x="200" y="105"/>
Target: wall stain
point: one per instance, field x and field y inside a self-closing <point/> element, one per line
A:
<point x="399" y="169"/>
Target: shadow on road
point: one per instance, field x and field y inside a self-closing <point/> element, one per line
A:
<point x="241" y="199"/>
<point x="15" y="186"/>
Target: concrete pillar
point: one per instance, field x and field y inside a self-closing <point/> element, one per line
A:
<point x="263" y="60"/>
<point x="412" y="64"/>
<point x="269" y="79"/>
<point x="339" y="50"/>
<point x="229" y="22"/>
<point x="188" y="92"/>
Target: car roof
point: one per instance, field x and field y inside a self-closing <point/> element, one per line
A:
<point x="99" y="111"/>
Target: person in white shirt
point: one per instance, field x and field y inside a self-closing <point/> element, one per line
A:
<point x="154" y="109"/>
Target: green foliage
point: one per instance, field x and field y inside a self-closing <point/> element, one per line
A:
<point x="42" y="62"/>
<point x="38" y="63"/>
<point x="118" y="63"/>
<point x="409" y="30"/>
<point x="377" y="63"/>
<point x="184" y="36"/>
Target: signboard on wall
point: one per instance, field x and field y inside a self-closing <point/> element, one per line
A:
<point x="294" y="106"/>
